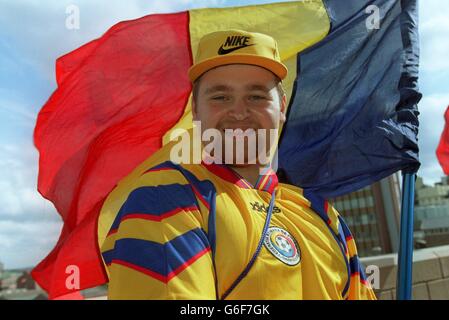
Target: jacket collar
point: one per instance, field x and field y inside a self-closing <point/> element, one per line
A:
<point x="267" y="181"/>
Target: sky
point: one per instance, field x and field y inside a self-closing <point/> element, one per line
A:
<point x="33" y="34"/>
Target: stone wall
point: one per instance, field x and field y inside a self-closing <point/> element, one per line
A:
<point x="430" y="274"/>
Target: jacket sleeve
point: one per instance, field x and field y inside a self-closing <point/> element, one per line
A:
<point x="157" y="247"/>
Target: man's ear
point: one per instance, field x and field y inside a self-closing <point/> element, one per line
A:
<point x="284" y="109"/>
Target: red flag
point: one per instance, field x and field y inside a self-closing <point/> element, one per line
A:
<point x="116" y="97"/>
<point x="443" y="146"/>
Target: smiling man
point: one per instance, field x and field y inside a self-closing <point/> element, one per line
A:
<point x="222" y="229"/>
<point x="255" y="104"/>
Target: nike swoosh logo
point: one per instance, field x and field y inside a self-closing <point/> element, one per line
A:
<point x="222" y="51"/>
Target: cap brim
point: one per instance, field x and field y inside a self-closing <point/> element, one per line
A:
<point x="278" y="68"/>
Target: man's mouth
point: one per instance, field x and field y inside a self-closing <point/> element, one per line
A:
<point x="238" y="128"/>
<point x="239" y="132"/>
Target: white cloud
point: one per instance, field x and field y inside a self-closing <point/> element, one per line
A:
<point x="29" y="224"/>
<point x="434" y="31"/>
<point x="25" y="244"/>
<point x="20" y="199"/>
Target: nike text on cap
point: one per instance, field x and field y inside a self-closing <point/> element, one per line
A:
<point x="237" y="47"/>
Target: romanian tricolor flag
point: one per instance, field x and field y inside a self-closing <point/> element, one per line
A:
<point x="352" y="107"/>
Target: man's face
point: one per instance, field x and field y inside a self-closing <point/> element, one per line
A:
<point x="239" y="96"/>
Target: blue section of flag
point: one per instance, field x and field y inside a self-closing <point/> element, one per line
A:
<point x="353" y="116"/>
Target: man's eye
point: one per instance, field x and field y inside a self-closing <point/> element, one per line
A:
<point x="219" y="98"/>
<point x="255" y="97"/>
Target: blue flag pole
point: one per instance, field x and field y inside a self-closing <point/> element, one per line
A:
<point x="405" y="254"/>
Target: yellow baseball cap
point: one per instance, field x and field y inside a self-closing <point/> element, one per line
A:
<point x="237" y="47"/>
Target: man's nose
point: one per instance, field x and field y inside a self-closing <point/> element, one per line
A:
<point x="239" y="110"/>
